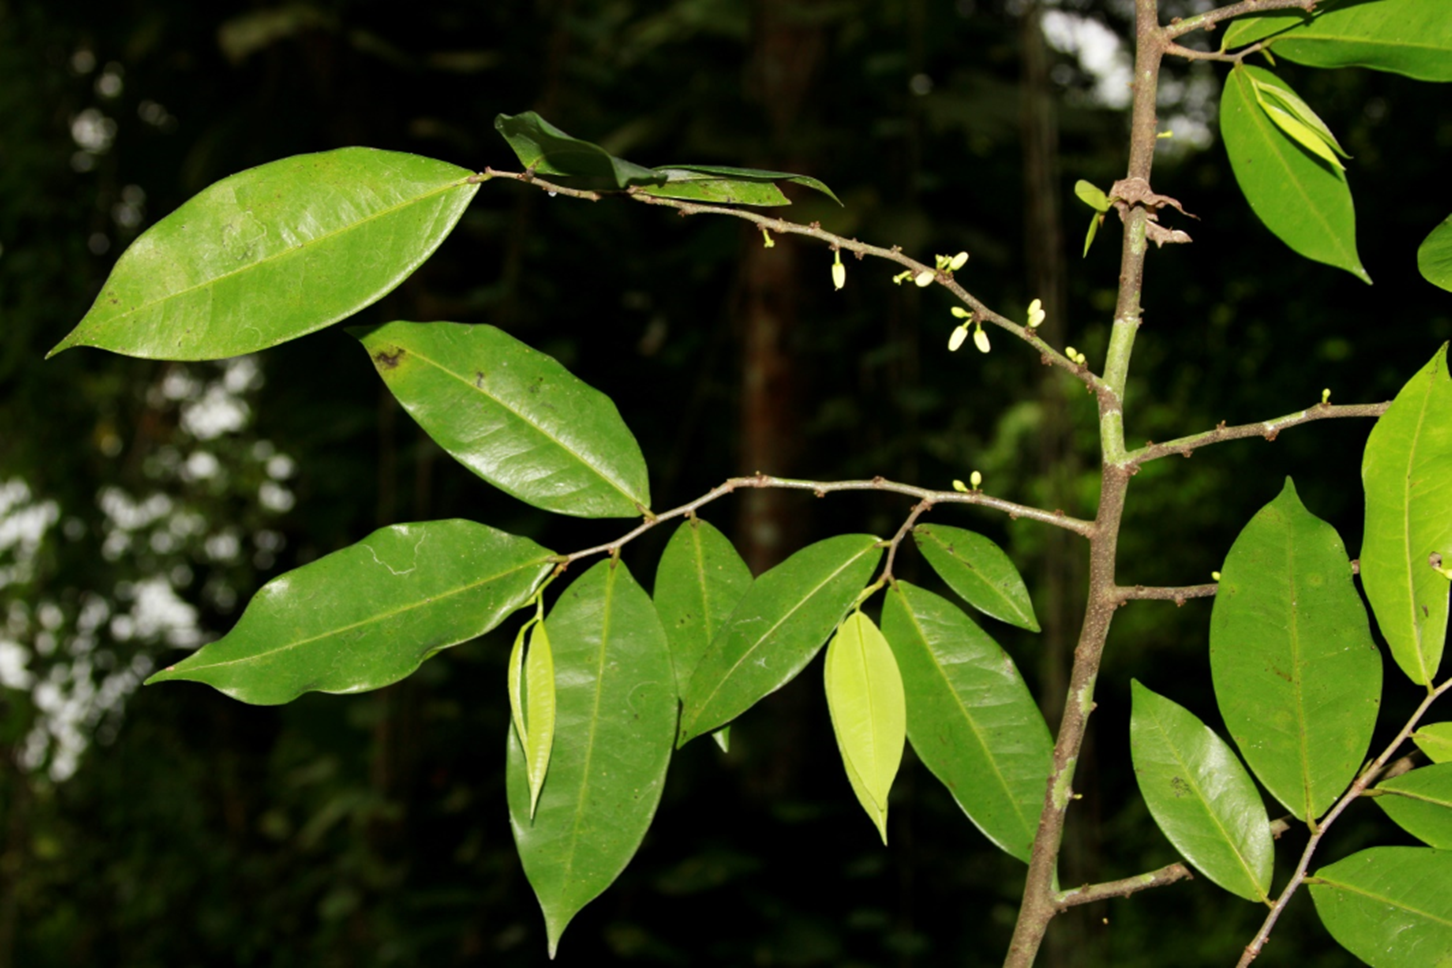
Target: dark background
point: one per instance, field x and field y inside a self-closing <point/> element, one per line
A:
<point x="183" y="828"/>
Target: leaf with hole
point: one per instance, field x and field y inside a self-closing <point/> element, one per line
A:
<point x="1389" y="906"/>
<point x="1409" y="37"/>
<point x="780" y="623"/>
<point x="274" y="253"/>
<point x="370" y="614"/>
<point x="1200" y="795"/>
<point x="1434" y="256"/>
<point x="1407" y="473"/>
<point x="615" y="711"/>
<point x="869" y="713"/>
<point x="514" y="416"/>
<point x="979" y="571"/>
<point x="1420" y="802"/>
<point x="970" y="717"/>
<point x="1305" y="203"/>
<point x="1297" y="675"/>
<point x="532" y="702"/>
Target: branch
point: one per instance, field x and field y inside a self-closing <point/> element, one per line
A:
<point x="1269" y="429"/>
<point x="1208" y="20"/>
<point x="902" y="533"/>
<point x="1367" y="777"/>
<point x="1047" y="354"/>
<point x="1090" y="893"/>
<point x="926" y="497"/>
<point x="1178" y="595"/>
<point x="1189" y="53"/>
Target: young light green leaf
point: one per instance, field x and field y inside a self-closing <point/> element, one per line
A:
<point x="1420" y="801"/>
<point x="869" y="713"/>
<point x="1410" y="37"/>
<point x="1091" y="195"/>
<point x="532" y="703"/>
<point x="368" y="615"/>
<point x="1389" y="906"/>
<point x="1094" y="221"/>
<point x="1200" y="795"/>
<point x="1302" y="134"/>
<point x="273" y="253"/>
<point x="514" y="416"/>
<point x="776" y="628"/>
<point x="1305" y="204"/>
<point x="970" y="717"/>
<point x="979" y="571"/>
<point x="1434" y="256"/>
<point x="1275" y="92"/>
<point x="1435" y="739"/>
<point x="616" y="718"/>
<point x="1407" y="473"/>
<point x="699" y="581"/>
<point x="1297" y="675"/>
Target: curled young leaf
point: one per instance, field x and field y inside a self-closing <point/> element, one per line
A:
<point x="532" y="703"/>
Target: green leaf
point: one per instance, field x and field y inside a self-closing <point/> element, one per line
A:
<point x="1434" y="255"/>
<point x="514" y="416"/>
<point x="275" y="252"/>
<point x="1435" y="739"/>
<point x="1200" y="795"/>
<point x="1420" y="801"/>
<point x="1094" y="222"/>
<point x="1389" y="906"/>
<point x="532" y="703"/>
<point x="869" y="713"/>
<point x="1297" y="675"/>
<point x="979" y="571"/>
<point x="776" y="628"/>
<point x="1410" y="37"/>
<point x="370" y="614"/>
<point x="970" y="718"/>
<point x="543" y="148"/>
<point x="699" y="581"/>
<point x="1407" y="473"/>
<point x="616" y="719"/>
<point x="1092" y="195"/>
<point x="1304" y="203"/>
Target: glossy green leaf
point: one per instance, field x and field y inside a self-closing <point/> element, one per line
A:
<point x="1407" y="473"/>
<point x="532" y="703"/>
<point x="275" y="252"/>
<point x="979" y="571"/>
<point x="1389" y="906"/>
<point x="1435" y="739"/>
<point x="368" y="615"/>
<point x="1410" y="37"/>
<point x="698" y="583"/>
<point x="1200" y="795"/>
<point x="1434" y="255"/>
<point x="543" y="148"/>
<point x="869" y="713"/>
<point x="514" y="416"/>
<point x="1297" y="675"/>
<point x="615" y="721"/>
<point x="1420" y="801"/>
<point x="970" y="717"/>
<point x="776" y="628"/>
<point x="1305" y="203"/>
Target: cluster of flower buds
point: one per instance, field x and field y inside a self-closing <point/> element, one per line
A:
<point x="975" y="480"/>
<point x="951" y="263"/>
<point x="980" y="338"/>
<point x="1075" y="355"/>
<point x="1035" y="313"/>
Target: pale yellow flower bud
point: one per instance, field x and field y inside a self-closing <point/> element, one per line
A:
<point x="956" y="340"/>
<point x="976" y="479"/>
<point x="924" y="278"/>
<point x="980" y="340"/>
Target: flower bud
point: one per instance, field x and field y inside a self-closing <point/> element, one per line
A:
<point x="957" y="262"/>
<point x="976" y="479"/>
<point x="839" y="273"/>
<point x="956" y="340"/>
<point x="924" y="278"/>
<point x="980" y="339"/>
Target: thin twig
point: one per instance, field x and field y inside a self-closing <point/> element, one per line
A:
<point x="822" y="488"/>
<point x="1208" y="19"/>
<point x="1367" y="777"/>
<point x="902" y="532"/>
<point x="1124" y="887"/>
<point x="1269" y="429"/>
<point x="1189" y="53"/>
<point x="1179" y="595"/>
<point x="1047" y="354"/>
